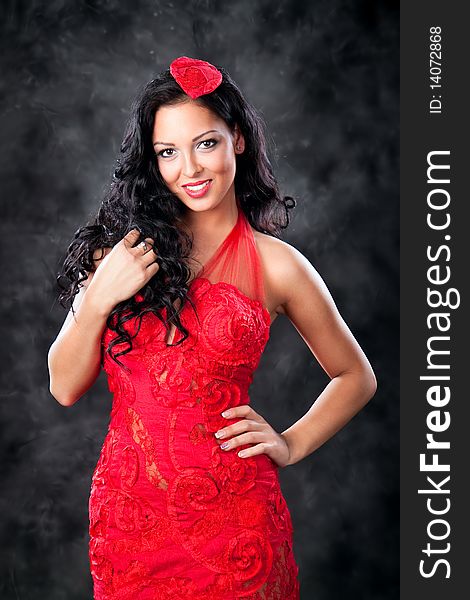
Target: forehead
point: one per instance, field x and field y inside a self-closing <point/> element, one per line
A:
<point x="185" y="120"/>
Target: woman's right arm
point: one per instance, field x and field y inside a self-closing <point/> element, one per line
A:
<point x="74" y="357"/>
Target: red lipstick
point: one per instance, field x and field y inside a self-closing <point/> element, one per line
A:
<point x="195" y="182"/>
<point x="198" y="193"/>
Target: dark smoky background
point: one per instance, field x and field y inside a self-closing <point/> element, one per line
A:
<point x="324" y="75"/>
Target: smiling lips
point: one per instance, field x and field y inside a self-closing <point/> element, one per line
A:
<point x="196" y="190"/>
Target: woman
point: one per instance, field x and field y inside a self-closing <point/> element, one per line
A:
<point x="185" y="499"/>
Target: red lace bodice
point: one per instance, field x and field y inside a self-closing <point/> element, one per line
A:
<point x="172" y="515"/>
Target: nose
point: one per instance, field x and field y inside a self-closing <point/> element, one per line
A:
<point x="191" y="166"/>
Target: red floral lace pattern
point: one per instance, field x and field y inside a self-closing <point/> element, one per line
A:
<point x="172" y="515"/>
<point x="229" y="328"/>
<point x="141" y="436"/>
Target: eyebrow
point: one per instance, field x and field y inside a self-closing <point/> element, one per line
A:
<point x="194" y="139"/>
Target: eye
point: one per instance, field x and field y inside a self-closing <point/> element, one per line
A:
<point x="211" y="141"/>
<point x="208" y="142"/>
<point x="165" y="150"/>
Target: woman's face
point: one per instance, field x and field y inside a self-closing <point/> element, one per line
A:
<point x="193" y="144"/>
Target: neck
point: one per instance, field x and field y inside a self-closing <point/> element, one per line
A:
<point x="210" y="227"/>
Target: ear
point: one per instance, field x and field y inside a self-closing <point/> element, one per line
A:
<point x="238" y="140"/>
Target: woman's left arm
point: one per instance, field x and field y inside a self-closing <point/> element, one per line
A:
<point x="311" y="309"/>
<point x="303" y="297"/>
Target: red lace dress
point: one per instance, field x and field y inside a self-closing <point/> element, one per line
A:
<point x="172" y="515"/>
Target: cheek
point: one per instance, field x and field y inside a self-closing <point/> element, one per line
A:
<point x="222" y="163"/>
<point x="167" y="171"/>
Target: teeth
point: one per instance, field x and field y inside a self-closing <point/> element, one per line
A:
<point x="196" y="188"/>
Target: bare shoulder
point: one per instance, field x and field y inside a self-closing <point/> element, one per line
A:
<point x="296" y="289"/>
<point x="287" y="272"/>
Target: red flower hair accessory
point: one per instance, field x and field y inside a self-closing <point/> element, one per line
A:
<point x="196" y="77"/>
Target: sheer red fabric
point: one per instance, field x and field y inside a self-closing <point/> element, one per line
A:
<point x="172" y="515"/>
<point x="236" y="261"/>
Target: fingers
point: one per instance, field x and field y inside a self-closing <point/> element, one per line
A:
<point x="99" y="254"/>
<point x="254" y="451"/>
<point x="247" y="431"/>
<point x="240" y="427"/>
<point x="144" y="249"/>
<point x="251" y="437"/>
<point x="243" y="410"/>
<point x="147" y="251"/>
<point x="146" y="245"/>
<point x="131" y="237"/>
<point x="152" y="269"/>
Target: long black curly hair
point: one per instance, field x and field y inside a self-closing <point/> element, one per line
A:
<point x="138" y="197"/>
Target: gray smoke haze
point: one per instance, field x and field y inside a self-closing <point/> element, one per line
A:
<point x="324" y="75"/>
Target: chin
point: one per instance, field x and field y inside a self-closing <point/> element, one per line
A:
<point x="201" y="204"/>
<point x="198" y="204"/>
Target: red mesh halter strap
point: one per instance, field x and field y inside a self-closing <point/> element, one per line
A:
<point x="236" y="261"/>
